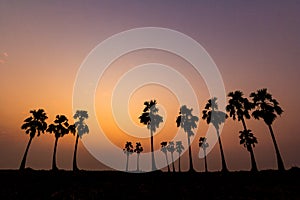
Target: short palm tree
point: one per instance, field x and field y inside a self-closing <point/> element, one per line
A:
<point x="165" y="151"/>
<point x="212" y="115"/>
<point x="60" y="127"/>
<point x="204" y="145"/>
<point x="239" y="107"/>
<point x="32" y="125"/>
<point x="128" y="150"/>
<point x="138" y="149"/>
<point x="187" y="121"/>
<point x="82" y="129"/>
<point x="171" y="149"/>
<point x="150" y="118"/>
<point x="249" y="140"/>
<point x="267" y="108"/>
<point x="179" y="148"/>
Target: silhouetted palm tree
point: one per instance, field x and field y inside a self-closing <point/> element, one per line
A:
<point x="249" y="140"/>
<point x="165" y="151"/>
<point x="82" y="129"/>
<point x="150" y="118"/>
<point x="60" y="127"/>
<point x="179" y="148"/>
<point x="239" y="106"/>
<point x="171" y="149"/>
<point x="138" y="149"/>
<point x="187" y="121"/>
<point x="212" y="115"/>
<point x="267" y="108"/>
<point x="32" y="125"/>
<point x="128" y="150"/>
<point x="203" y="144"/>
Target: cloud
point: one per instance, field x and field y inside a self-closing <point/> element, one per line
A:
<point x="5" y="54"/>
<point x="2" y="61"/>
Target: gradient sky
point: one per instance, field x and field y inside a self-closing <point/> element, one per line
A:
<point x="255" y="44"/>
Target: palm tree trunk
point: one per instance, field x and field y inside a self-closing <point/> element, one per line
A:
<point x="190" y="156"/>
<point x="137" y="161"/>
<point x="253" y="162"/>
<point x="75" y="168"/>
<point x="173" y="162"/>
<point x="152" y="152"/>
<point x="179" y="169"/>
<point x="23" y="163"/>
<point x="224" y="166"/>
<point x="127" y="161"/>
<point x="244" y="123"/>
<point x="205" y="161"/>
<point x="167" y="162"/>
<point x="54" y="167"/>
<point x="279" y="159"/>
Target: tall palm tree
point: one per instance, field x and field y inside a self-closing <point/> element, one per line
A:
<point x="138" y="149"/>
<point x="82" y="129"/>
<point x="203" y="144"/>
<point x="60" y="127"/>
<point x="239" y="107"/>
<point x="212" y="115"/>
<point x="267" y="108"/>
<point x="179" y="148"/>
<point x="187" y="121"/>
<point x="171" y="149"/>
<point x="249" y="140"/>
<point x="128" y="150"/>
<point x="32" y="125"/>
<point x="150" y="118"/>
<point x="165" y="151"/>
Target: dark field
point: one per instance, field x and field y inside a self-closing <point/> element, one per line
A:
<point x="39" y="184"/>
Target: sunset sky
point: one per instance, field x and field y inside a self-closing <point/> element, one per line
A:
<point x="254" y="44"/>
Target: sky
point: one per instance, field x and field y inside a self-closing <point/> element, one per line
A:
<point x="254" y="44"/>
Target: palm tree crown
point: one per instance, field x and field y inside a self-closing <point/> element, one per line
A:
<point x="266" y="107"/>
<point x="35" y="123"/>
<point x="247" y="139"/>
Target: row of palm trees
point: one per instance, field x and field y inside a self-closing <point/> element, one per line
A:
<point x="128" y="150"/>
<point x="261" y="106"/>
<point x="36" y="124"/>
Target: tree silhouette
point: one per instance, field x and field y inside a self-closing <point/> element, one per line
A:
<point x="60" y="127"/>
<point x="32" y="125"/>
<point x="165" y="151"/>
<point x="203" y="144"/>
<point x="212" y="115"/>
<point x="128" y="150"/>
<point x="239" y="107"/>
<point x="138" y="149"/>
<point x="171" y="149"/>
<point x="187" y="121"/>
<point x="267" y="108"/>
<point x="150" y="118"/>
<point x="82" y="129"/>
<point x="179" y="148"/>
<point x="249" y="140"/>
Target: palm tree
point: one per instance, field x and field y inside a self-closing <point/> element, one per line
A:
<point x="203" y="144"/>
<point x="128" y="150"/>
<point x="179" y="148"/>
<point x="138" y="149"/>
<point x="239" y="107"/>
<point x="82" y="129"/>
<point x="150" y="118"/>
<point x="212" y="115"/>
<point x="32" y="125"/>
<point x="187" y="121"/>
<point x="60" y="127"/>
<point x="171" y="149"/>
<point x="165" y="151"/>
<point x="249" y="140"/>
<point x="267" y="108"/>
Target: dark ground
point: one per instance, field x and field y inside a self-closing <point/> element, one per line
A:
<point x="42" y="184"/>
